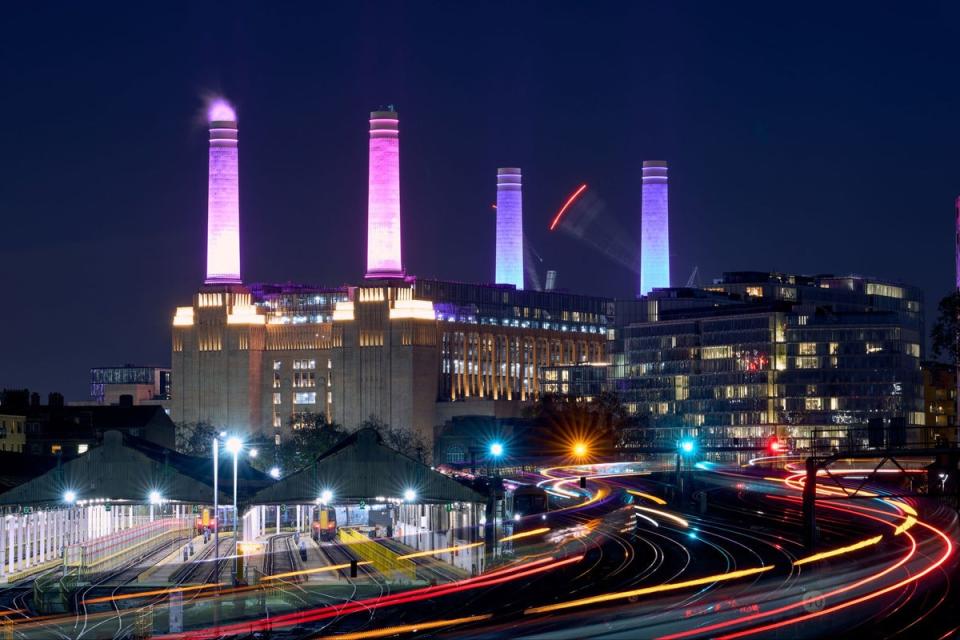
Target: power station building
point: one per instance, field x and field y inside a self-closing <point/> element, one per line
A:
<point x="411" y="352"/>
<point x="822" y="361"/>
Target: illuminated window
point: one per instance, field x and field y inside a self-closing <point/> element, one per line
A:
<point x="885" y="290"/>
<point x="874" y="348"/>
<point x="813" y="404"/>
<point x="276" y="381"/>
<point x="276" y="398"/>
<point x="305" y="397"/>
<point x="713" y="353"/>
<point x="756" y="292"/>
<point x="304" y="379"/>
<point x="82" y="448"/>
<point x="808" y="348"/>
<point x="276" y="423"/>
<point x="808" y="363"/>
<point x="56" y="448"/>
<point x="834" y="348"/>
<point x="276" y="365"/>
<point x="834" y="404"/>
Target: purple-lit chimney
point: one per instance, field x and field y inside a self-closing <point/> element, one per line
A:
<point x="654" y="228"/>
<point x="223" y="197"/>
<point x="509" y="265"/>
<point x="383" y="204"/>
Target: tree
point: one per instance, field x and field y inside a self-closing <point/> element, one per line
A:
<point x="195" y="438"/>
<point x="407" y="441"/>
<point x="310" y="436"/>
<point x="564" y="422"/>
<point x="946" y="330"/>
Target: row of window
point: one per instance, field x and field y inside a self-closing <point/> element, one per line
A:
<point x="302" y="397"/>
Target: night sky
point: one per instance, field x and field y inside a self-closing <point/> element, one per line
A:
<point x="801" y="137"/>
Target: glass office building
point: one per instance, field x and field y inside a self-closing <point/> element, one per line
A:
<point x="825" y="362"/>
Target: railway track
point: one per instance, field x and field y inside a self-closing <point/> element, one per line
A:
<point x="281" y="557"/>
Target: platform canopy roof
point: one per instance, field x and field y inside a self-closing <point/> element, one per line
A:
<point x="362" y="468"/>
<point x="127" y="469"/>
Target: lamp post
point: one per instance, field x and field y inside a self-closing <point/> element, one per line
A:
<point x="216" y="509"/>
<point x="234" y="445"/>
<point x="496" y="451"/>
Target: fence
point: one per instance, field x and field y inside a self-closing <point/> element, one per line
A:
<point x="382" y="559"/>
<point x="108" y="552"/>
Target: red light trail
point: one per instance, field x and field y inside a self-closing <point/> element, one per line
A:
<point x="566" y="205"/>
<point x="322" y="613"/>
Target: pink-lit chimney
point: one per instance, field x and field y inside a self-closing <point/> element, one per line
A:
<point x="223" y="197"/>
<point x="383" y="205"/>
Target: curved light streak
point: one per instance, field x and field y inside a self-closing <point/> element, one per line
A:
<point x="722" y="577"/>
<point x="664" y="514"/>
<point x="303" y="572"/>
<point x="432" y="552"/>
<point x="407" y="628"/>
<point x="155" y="592"/>
<point x="566" y="205"/>
<point x="869" y="542"/>
<point x="647" y="496"/>
<point x="525" y="534"/>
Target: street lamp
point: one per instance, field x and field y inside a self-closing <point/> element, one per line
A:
<point x="69" y="496"/>
<point x="253" y="453"/>
<point x="496" y="452"/>
<point x="234" y="445"/>
<point x="155" y="499"/>
<point x="216" y="509"/>
<point x="409" y="495"/>
<point x="326" y="496"/>
<point x="580" y="449"/>
<point x="275" y="473"/>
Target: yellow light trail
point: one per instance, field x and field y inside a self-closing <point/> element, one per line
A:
<point x="407" y="628"/>
<point x="302" y="572"/>
<point x="675" y="586"/>
<point x="420" y="554"/>
<point x="839" y="551"/>
<point x="909" y="522"/>
<point x="525" y="534"/>
<point x="663" y="514"/>
<point x="902" y="505"/>
<point x="156" y="592"/>
<point x="647" y="496"/>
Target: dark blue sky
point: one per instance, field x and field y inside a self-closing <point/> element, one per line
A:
<point x="808" y="137"/>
